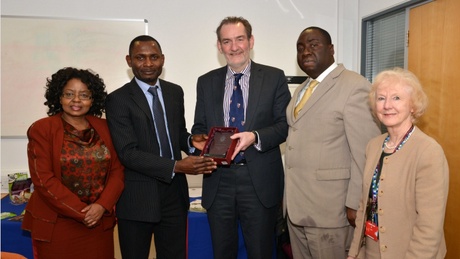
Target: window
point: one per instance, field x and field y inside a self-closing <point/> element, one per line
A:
<point x="384" y="40"/>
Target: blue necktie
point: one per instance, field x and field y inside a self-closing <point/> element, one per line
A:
<point x="237" y="105"/>
<point x="160" y="124"/>
<point x="237" y="111"/>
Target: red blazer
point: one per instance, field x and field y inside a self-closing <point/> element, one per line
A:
<point x="51" y="198"/>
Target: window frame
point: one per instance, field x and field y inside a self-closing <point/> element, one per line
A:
<point x="366" y="21"/>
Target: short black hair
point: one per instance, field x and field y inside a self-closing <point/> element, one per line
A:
<point x="143" y="38"/>
<point x="322" y="31"/>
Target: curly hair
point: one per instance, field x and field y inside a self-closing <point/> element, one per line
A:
<point x="55" y="85"/>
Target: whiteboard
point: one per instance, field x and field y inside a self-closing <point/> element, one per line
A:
<point x="34" y="48"/>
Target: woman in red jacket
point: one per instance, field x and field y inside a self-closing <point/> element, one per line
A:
<point x="75" y="171"/>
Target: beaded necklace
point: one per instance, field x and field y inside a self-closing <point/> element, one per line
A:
<point x="373" y="192"/>
<point x="403" y="141"/>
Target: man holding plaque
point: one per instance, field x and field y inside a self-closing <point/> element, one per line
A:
<point x="253" y="98"/>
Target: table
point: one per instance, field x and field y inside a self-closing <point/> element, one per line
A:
<point x="199" y="238"/>
<point x="14" y="239"/>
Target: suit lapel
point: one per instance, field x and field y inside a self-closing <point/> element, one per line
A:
<point x="218" y="91"/>
<point x="168" y="99"/>
<point x="322" y="89"/>
<point x="291" y="106"/>
<point x="170" y="108"/>
<point x="255" y="92"/>
<point x="139" y="99"/>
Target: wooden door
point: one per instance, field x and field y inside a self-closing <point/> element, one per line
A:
<point x="434" y="56"/>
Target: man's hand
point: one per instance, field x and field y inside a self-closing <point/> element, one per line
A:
<point x="195" y="165"/>
<point x="94" y="213"/>
<point x="351" y="216"/>
<point x="199" y="140"/>
<point x="245" y="139"/>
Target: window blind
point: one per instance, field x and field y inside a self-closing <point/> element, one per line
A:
<point x="385" y="39"/>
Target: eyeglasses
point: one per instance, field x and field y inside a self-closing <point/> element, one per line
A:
<point x="81" y="96"/>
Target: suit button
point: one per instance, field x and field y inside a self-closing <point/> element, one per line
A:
<point x="383" y="248"/>
<point x="380" y="193"/>
<point x="380" y="212"/>
<point x="386" y="160"/>
<point x="382" y="229"/>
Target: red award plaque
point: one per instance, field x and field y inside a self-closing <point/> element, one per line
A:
<point x="219" y="145"/>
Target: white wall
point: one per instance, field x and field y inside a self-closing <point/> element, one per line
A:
<point x="371" y="7"/>
<point x="186" y="31"/>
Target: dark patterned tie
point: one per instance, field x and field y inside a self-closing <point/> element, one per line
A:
<point x="237" y="111"/>
<point x="160" y="123"/>
<point x="237" y="105"/>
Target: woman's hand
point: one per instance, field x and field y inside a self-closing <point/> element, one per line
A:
<point x="94" y="213"/>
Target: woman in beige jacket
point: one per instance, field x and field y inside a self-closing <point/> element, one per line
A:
<point x="406" y="178"/>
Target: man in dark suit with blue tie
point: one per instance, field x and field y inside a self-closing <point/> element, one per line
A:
<point x="252" y="97"/>
<point x="147" y="124"/>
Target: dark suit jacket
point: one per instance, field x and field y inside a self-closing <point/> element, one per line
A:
<point x="133" y="132"/>
<point x="266" y="113"/>
<point x="51" y="199"/>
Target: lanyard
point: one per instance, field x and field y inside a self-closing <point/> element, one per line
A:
<point x="374" y="188"/>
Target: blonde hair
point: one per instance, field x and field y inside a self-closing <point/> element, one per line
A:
<point x="409" y="80"/>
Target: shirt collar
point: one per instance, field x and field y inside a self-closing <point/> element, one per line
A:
<point x="245" y="71"/>
<point x="144" y="86"/>
<point x="326" y="72"/>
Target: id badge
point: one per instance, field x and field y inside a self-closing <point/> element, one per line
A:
<point x="372" y="230"/>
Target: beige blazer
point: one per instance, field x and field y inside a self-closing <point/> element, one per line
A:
<point x="413" y="189"/>
<point x="325" y="148"/>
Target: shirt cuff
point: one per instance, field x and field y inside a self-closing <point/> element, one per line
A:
<point x="173" y="173"/>
<point x="191" y="148"/>
<point x="257" y="144"/>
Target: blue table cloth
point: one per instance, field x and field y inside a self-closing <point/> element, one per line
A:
<point x="199" y="238"/>
<point x="14" y="239"/>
